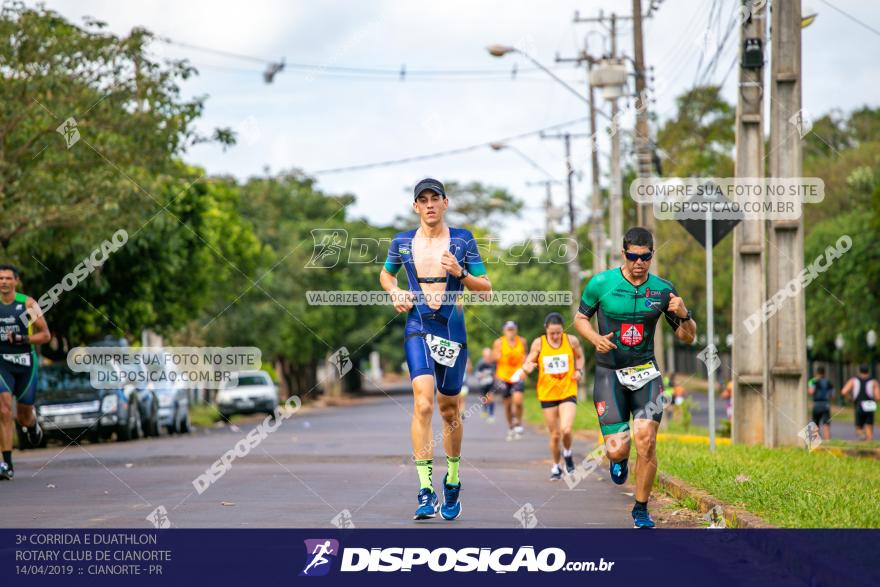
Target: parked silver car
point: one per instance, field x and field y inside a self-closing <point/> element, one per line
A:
<point x="254" y="393"/>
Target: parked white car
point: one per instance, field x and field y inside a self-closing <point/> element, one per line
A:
<point x="254" y="393"/>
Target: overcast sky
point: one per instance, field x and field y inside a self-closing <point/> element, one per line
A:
<point x="316" y="122"/>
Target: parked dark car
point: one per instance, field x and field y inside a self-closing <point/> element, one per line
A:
<point x="147" y="398"/>
<point x="70" y="408"/>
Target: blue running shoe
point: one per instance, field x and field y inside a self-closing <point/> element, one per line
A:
<point x="451" y="507"/>
<point x="569" y="464"/>
<point x="641" y="518"/>
<point x="427" y="504"/>
<point x="619" y="472"/>
<point x="6" y="474"/>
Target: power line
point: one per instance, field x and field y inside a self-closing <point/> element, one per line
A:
<point x="332" y="76"/>
<point x="398" y="73"/>
<point x="446" y="153"/>
<point x="851" y="17"/>
<point x="729" y="69"/>
<point x="713" y="64"/>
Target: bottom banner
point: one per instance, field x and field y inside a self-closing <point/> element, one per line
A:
<point x="594" y="557"/>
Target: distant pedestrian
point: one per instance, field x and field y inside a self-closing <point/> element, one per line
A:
<point x="821" y="391"/>
<point x="865" y="393"/>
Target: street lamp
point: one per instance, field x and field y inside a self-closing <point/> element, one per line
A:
<point x="502" y="146"/>
<point x="871" y="339"/>
<point x="808" y="19"/>
<point x="502" y="50"/>
<point x="838" y="344"/>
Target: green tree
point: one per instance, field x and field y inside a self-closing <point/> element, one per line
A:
<point x="162" y="278"/>
<point x="844" y="298"/>
<point x="270" y="308"/>
<point x="474" y="204"/>
<point x="88" y="122"/>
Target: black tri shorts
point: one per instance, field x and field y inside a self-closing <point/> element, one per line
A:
<point x="821" y="413"/>
<point x="20" y="379"/>
<point x="615" y="403"/>
<point x="505" y="389"/>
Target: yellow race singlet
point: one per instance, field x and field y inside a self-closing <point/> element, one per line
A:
<point x="555" y="368"/>
<point x="511" y="359"/>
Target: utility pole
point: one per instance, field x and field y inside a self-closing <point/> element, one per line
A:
<point x="615" y="217"/>
<point x="786" y="413"/>
<point x="597" y="227"/>
<point x="749" y="291"/>
<point x="574" y="269"/>
<point x="548" y="202"/>
<point x="644" y="160"/>
<point x="615" y="208"/>
<point x="642" y="138"/>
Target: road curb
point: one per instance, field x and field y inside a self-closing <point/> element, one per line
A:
<point x="860" y="453"/>
<point x="734" y="517"/>
<point x="692" y="438"/>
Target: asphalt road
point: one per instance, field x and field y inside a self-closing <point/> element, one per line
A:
<point x="320" y="468"/>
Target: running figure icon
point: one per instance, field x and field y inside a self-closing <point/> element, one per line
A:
<point x="319" y="556"/>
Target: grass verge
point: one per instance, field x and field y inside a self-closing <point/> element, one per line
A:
<point x="787" y="487"/>
<point x="206" y="415"/>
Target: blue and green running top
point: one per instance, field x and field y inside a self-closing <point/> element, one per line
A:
<point x="462" y="245"/>
<point x="629" y="311"/>
<point x="14" y="320"/>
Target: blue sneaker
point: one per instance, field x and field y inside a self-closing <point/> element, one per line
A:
<point x="619" y="472"/>
<point x="427" y="504"/>
<point x="6" y="474"/>
<point x="641" y="518"/>
<point x="451" y="507"/>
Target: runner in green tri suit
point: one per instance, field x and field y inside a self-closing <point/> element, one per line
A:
<point x="21" y="327"/>
<point x="627" y="302"/>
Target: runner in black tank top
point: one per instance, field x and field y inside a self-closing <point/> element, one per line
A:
<point x="18" y="364"/>
<point x="822" y="391"/>
<point x="865" y="391"/>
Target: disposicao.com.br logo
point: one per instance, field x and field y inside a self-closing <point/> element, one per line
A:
<point x="320" y="553"/>
<point x="444" y="559"/>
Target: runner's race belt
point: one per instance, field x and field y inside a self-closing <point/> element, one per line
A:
<point x="23" y="359"/>
<point x="443" y="350"/>
<point x="636" y="377"/>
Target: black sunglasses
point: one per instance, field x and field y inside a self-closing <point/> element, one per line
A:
<point x="635" y="256"/>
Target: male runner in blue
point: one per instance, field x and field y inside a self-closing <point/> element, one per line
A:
<point x="440" y="262"/>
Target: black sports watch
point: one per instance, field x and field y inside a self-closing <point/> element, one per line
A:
<point x="464" y="273"/>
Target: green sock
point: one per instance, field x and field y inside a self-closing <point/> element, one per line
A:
<point x="452" y="470"/>
<point x="424" y="467"/>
